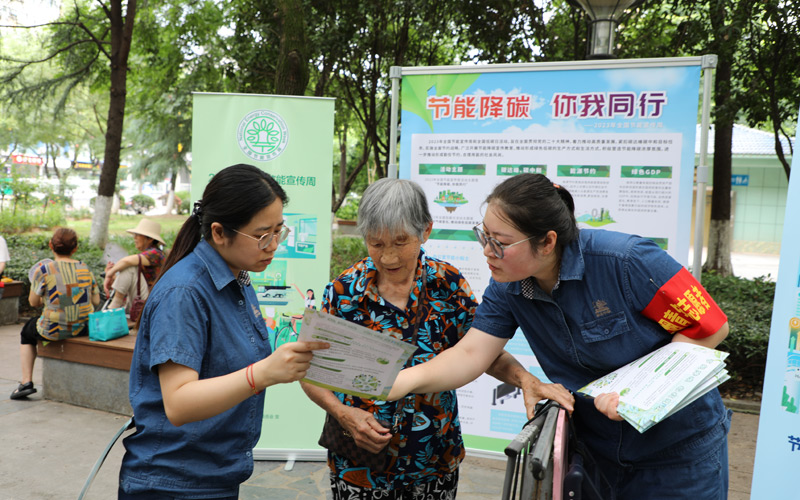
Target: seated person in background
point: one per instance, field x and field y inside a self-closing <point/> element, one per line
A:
<point x="69" y="293"/>
<point x="121" y="276"/>
<point x="4" y="257"/>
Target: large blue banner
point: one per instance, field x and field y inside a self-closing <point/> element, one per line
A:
<point x="778" y="445"/>
<point x="620" y="135"/>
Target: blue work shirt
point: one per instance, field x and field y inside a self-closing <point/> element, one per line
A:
<point x="198" y="315"/>
<point x="592" y="325"/>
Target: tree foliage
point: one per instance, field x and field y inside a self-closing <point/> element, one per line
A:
<point x="345" y="50"/>
<point x="771" y="72"/>
<point x="88" y="44"/>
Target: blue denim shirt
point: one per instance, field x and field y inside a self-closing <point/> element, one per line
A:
<point x="591" y="325"/>
<point x="198" y="315"/>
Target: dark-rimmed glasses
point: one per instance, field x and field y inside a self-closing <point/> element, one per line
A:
<point x="498" y="249"/>
<point x="266" y="238"/>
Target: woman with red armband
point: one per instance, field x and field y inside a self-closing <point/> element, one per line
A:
<point x="588" y="302"/>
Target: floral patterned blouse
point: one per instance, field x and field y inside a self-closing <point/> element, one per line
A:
<point x="156" y="257"/>
<point x="428" y="442"/>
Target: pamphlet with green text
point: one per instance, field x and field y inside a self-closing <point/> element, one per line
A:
<point x="360" y="361"/>
<point x="659" y="384"/>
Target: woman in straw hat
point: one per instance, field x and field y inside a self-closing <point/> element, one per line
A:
<point x="122" y="275"/>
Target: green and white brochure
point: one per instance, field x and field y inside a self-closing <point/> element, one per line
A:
<point x="659" y="384"/>
<point x="360" y="361"/>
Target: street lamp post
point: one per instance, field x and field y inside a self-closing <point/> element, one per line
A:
<point x="604" y="16"/>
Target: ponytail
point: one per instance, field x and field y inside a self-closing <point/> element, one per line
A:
<point x="232" y="197"/>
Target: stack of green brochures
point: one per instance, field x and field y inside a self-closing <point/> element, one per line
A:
<point x="661" y="383"/>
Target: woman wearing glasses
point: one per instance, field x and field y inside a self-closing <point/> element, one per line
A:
<point x="202" y="356"/>
<point x="400" y="290"/>
<point x="589" y="302"/>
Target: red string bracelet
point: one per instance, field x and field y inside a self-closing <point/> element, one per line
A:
<point x="251" y="379"/>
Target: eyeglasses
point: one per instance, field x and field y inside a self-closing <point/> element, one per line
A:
<point x="266" y="239"/>
<point x="498" y="249"/>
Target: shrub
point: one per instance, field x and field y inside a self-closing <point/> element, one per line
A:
<point x="349" y="209"/>
<point x="26" y="220"/>
<point x="185" y="205"/>
<point x="748" y="305"/>
<point x="347" y="250"/>
<point x="80" y="213"/>
<point x="141" y="203"/>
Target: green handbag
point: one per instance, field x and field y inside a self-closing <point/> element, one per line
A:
<point x="108" y="324"/>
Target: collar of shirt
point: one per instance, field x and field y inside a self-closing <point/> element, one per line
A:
<point x="369" y="277"/>
<point x="572" y="268"/>
<point x="217" y="267"/>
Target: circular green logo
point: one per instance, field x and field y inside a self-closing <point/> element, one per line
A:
<point x="262" y="135"/>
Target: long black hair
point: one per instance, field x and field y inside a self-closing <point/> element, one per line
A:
<point x="534" y="205"/>
<point x="232" y="197"/>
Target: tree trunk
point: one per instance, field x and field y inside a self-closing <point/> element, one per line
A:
<point x="343" y="161"/>
<point x="291" y="72"/>
<point x="787" y="168"/>
<point x="171" y="194"/>
<point x="115" y="204"/>
<point x="121" y="33"/>
<point x="102" y="211"/>
<point x="719" y="236"/>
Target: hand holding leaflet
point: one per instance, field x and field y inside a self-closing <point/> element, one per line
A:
<point x="360" y="361"/>
<point x="661" y="383"/>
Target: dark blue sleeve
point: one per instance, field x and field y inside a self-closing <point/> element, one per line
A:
<point x="494" y="314"/>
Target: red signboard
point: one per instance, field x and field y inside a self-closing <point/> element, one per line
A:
<point x="27" y="160"/>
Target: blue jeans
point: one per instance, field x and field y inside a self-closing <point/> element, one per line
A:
<point x="704" y="478"/>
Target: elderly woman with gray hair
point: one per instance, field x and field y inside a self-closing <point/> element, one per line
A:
<point x="390" y="290"/>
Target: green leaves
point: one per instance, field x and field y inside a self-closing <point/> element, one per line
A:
<point x="748" y="305"/>
<point x="416" y="87"/>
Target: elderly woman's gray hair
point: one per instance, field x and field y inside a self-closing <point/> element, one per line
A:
<point x="395" y="206"/>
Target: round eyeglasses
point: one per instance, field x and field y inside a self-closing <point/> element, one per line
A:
<point x="266" y="239"/>
<point x="498" y="249"/>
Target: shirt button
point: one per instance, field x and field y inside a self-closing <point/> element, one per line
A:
<point x="241" y="302"/>
<point x="248" y="453"/>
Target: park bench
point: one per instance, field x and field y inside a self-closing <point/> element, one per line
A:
<point x="9" y="302"/>
<point x="88" y="373"/>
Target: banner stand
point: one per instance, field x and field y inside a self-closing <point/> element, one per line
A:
<point x="709" y="63"/>
<point x="619" y="134"/>
<point x="289" y="137"/>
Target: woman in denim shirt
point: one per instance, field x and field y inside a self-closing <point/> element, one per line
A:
<point x="589" y="302"/>
<point x="202" y="356"/>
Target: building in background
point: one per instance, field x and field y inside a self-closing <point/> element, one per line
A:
<point x="759" y="187"/>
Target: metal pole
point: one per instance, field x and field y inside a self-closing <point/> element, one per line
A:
<point x="709" y="62"/>
<point x="395" y="73"/>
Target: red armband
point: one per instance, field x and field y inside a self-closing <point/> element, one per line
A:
<point x="683" y="305"/>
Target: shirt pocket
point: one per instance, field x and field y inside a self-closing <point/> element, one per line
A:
<point x="605" y="328"/>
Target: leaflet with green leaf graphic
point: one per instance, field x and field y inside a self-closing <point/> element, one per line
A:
<point x="360" y="361"/>
<point x="659" y="384"/>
